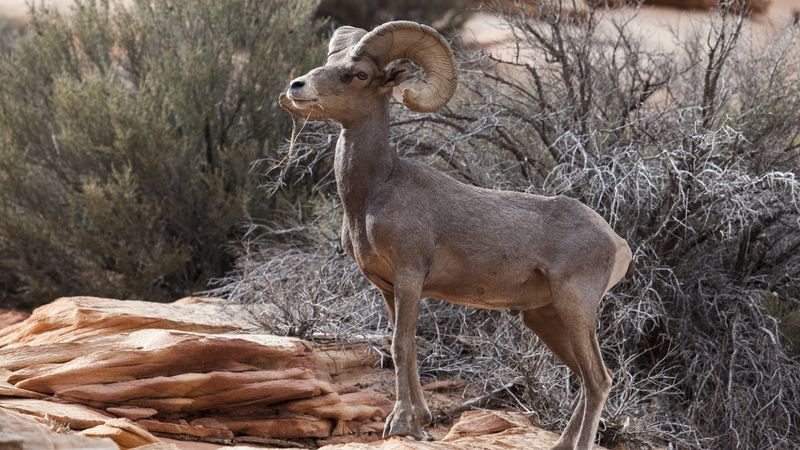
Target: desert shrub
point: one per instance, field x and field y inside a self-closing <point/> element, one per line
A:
<point x="126" y="138"/>
<point x="692" y="156"/>
<point x="9" y="29"/>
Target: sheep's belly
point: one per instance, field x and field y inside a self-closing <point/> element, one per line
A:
<point x="493" y="293"/>
<point x="498" y="279"/>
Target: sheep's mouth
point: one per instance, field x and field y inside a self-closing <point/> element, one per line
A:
<point x="302" y="101"/>
<point x="305" y="108"/>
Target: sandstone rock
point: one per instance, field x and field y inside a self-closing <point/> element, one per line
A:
<point x="202" y="391"/>
<point x="173" y="444"/>
<point x="178" y="369"/>
<point x="352" y="439"/>
<point x="280" y="427"/>
<point x="346" y="361"/>
<point x="370" y="398"/>
<point x="73" y="319"/>
<point x="77" y="417"/>
<point x="186" y="370"/>
<point x="483" y="422"/>
<point x="346" y="407"/>
<point x="10" y="317"/>
<point x="21" y="432"/>
<point x="163" y="446"/>
<point x="221" y="432"/>
<point x="130" y="412"/>
<point x="9" y="390"/>
<point x="481" y="429"/>
<point x="208" y="422"/>
<point x="154" y="353"/>
<point x="50" y="354"/>
<point x="124" y="433"/>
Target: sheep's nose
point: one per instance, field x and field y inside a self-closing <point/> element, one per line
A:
<point x="297" y="84"/>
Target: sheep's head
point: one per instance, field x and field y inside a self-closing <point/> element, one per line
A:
<point x="363" y="68"/>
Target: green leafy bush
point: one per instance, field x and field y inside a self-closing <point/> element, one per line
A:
<point x="127" y="137"/>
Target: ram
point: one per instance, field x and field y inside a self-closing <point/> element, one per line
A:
<point x="415" y="232"/>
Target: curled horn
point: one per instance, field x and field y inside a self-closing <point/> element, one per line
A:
<point x="423" y="45"/>
<point x="344" y="38"/>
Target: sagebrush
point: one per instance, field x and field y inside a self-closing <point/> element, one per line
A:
<point x="127" y="135"/>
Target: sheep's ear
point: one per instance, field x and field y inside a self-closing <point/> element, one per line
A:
<point x="396" y="72"/>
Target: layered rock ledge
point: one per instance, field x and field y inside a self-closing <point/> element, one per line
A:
<point x="85" y="373"/>
<point x="133" y="371"/>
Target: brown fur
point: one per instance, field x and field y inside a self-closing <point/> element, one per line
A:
<point x="415" y="232"/>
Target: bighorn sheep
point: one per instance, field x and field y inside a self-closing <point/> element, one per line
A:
<point x="415" y="232"/>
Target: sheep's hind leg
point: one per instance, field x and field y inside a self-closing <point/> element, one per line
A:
<point x="546" y="323"/>
<point x="569" y="329"/>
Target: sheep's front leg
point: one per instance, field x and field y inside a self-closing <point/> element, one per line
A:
<point x="407" y="292"/>
<point x="421" y="411"/>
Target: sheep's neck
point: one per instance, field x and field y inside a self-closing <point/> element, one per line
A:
<point x="363" y="161"/>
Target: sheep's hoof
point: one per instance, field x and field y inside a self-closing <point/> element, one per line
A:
<point x="424" y="415"/>
<point x="403" y="424"/>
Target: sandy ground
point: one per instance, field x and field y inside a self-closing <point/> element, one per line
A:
<point x="657" y="27"/>
<point x="780" y="10"/>
<point x="17" y="9"/>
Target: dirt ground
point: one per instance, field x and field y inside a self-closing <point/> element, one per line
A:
<point x="780" y="11"/>
<point x="658" y="27"/>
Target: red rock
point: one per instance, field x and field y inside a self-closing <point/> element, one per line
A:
<point x="22" y="432"/>
<point x="208" y="422"/>
<point x="153" y="353"/>
<point x="130" y="412"/>
<point x="77" y="417"/>
<point x="73" y="319"/>
<point x="162" y="405"/>
<point x="370" y="398"/>
<point x="307" y="404"/>
<point x="11" y="316"/>
<point x="501" y="431"/>
<point x="110" y="355"/>
<point x="349" y="439"/>
<point x="347" y="407"/>
<point x="346" y="361"/>
<point x="345" y="412"/>
<point x="9" y="390"/>
<point x="483" y="422"/>
<point x="280" y="427"/>
<point x="345" y="388"/>
<point x="123" y="432"/>
<point x="206" y="390"/>
<point x="36" y="358"/>
<point x="185" y="428"/>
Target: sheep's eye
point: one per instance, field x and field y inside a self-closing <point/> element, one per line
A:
<point x="361" y="76"/>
